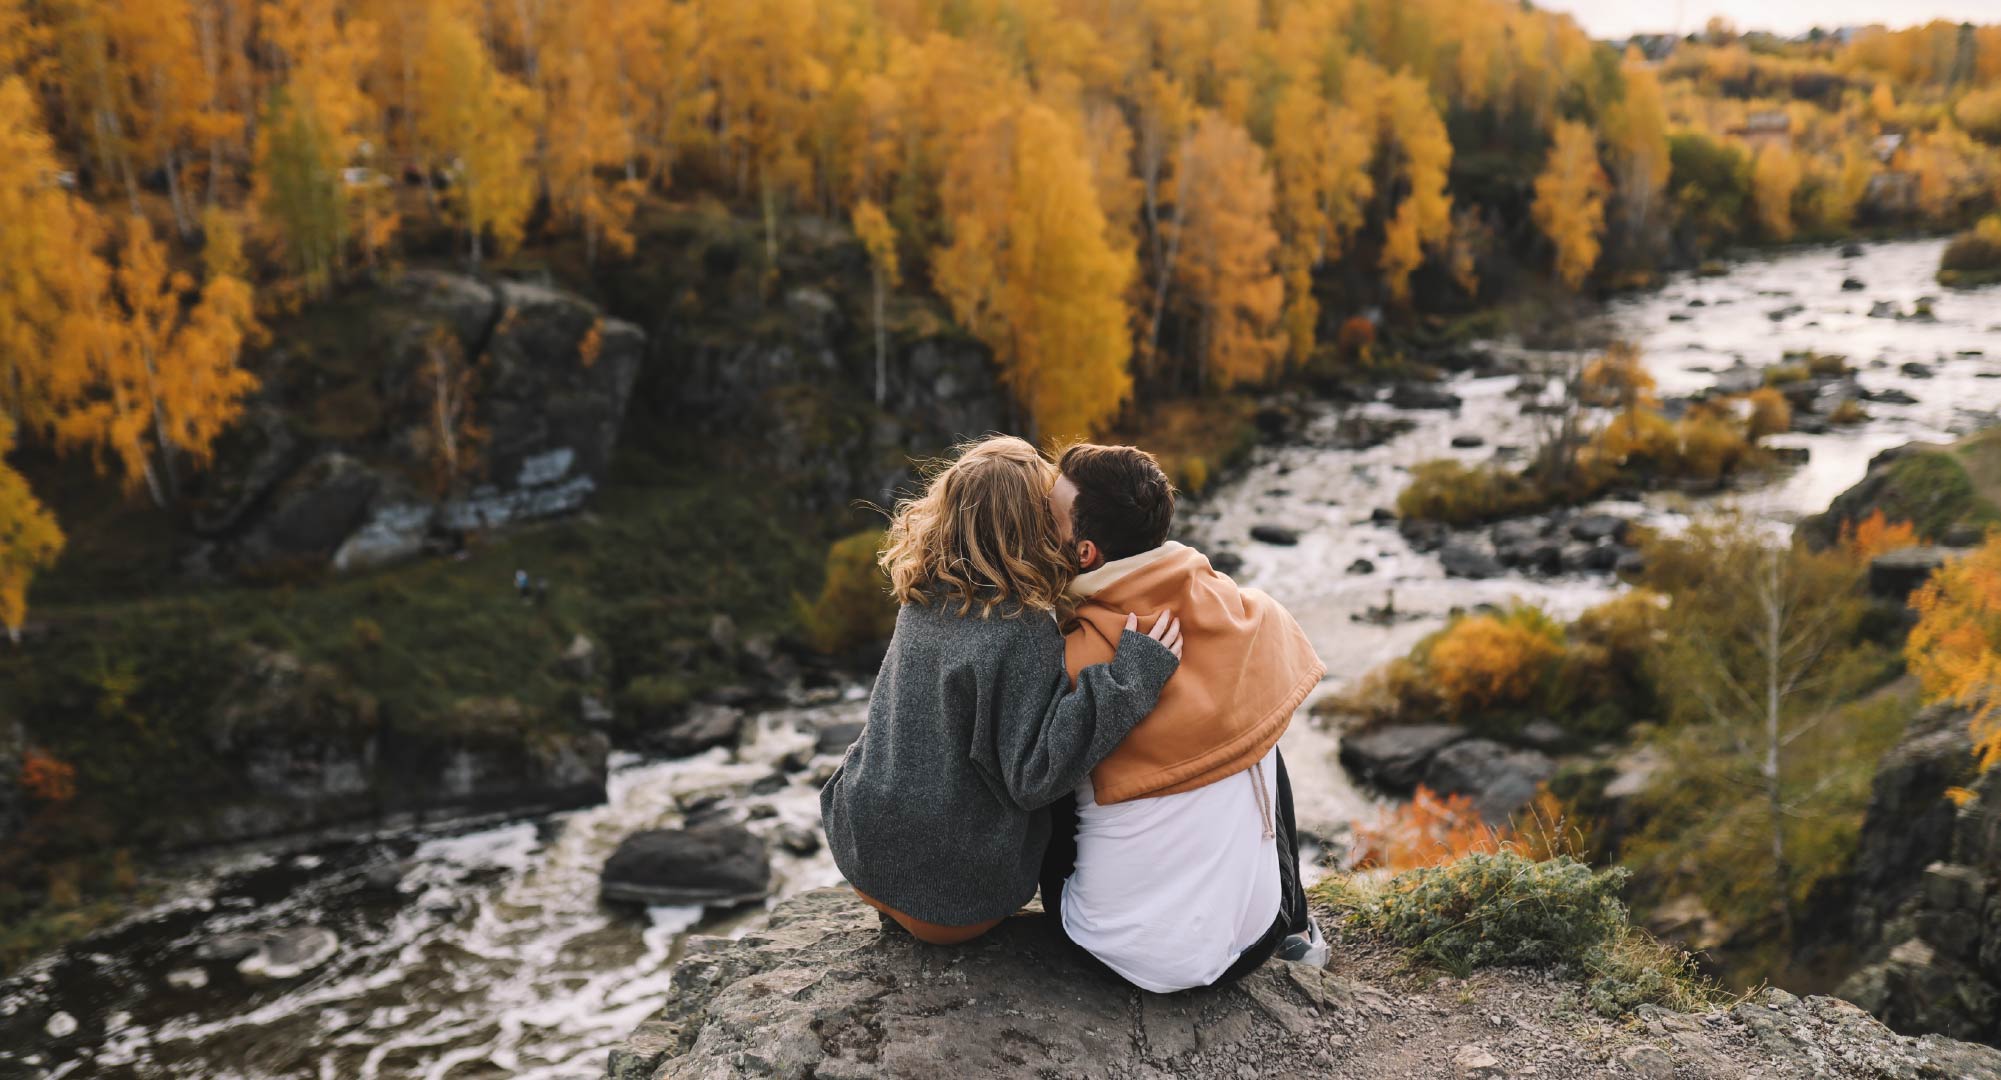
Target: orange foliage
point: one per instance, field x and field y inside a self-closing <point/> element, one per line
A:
<point x="1426" y="831"/>
<point x="1955" y="649"/>
<point x="1482" y="660"/>
<point x="1875" y="535"/>
<point x="47" y="778"/>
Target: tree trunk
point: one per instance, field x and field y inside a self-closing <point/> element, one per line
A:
<point x="174" y="199"/>
<point x="770" y="201"/>
<point x="1774" y="740"/>
<point x="881" y="346"/>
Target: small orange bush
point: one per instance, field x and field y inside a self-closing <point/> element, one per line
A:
<point x="1426" y="831"/>
<point x="1876" y="535"/>
<point x="47" y="778"/>
<point x="1771" y="414"/>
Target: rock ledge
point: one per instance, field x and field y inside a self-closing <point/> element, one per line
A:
<point x="825" y="991"/>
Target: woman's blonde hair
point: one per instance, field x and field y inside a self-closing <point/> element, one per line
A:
<point x="982" y="533"/>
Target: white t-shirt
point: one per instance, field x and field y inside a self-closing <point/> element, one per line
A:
<point x="1168" y="891"/>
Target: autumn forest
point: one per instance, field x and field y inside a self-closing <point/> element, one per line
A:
<point x="1119" y="199"/>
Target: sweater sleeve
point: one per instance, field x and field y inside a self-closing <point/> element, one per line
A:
<point x="1047" y="736"/>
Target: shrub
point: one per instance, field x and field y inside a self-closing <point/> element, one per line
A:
<point x="1602" y="687"/>
<point x="656" y="697"/>
<point x="1771" y="414"/>
<point x="1783" y="374"/>
<point x="1877" y="535"/>
<point x="1827" y="365"/>
<point x="1637" y="437"/>
<point x="1504" y="909"/>
<point x="1426" y="831"/>
<point x="1392" y="693"/>
<point x="1974" y="256"/>
<point x="1848" y="412"/>
<point x="1710" y="447"/>
<point x="854" y="607"/>
<point x="1616" y="379"/>
<point x="366" y="632"/>
<point x="1455" y="494"/>
<point x="1483" y="661"/>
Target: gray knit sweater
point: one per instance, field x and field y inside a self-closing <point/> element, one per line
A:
<point x="940" y="809"/>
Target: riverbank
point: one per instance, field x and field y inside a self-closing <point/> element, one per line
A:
<point x="1319" y="465"/>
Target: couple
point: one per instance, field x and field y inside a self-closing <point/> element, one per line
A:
<point x="1138" y="785"/>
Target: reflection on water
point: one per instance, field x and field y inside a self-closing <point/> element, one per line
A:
<point x="484" y="953"/>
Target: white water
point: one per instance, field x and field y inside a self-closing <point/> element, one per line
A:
<point x="492" y="957"/>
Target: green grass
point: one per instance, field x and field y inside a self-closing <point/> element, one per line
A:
<point x="1504" y="909"/>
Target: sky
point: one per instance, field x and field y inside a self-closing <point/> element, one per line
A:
<point x="1620" y="18"/>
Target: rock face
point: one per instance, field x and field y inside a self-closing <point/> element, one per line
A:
<point x="826" y="990"/>
<point x="338" y="461"/>
<point x="1938" y="960"/>
<point x="1895" y="575"/>
<point x="307" y="751"/>
<point x="790" y="380"/>
<point x="719" y="864"/>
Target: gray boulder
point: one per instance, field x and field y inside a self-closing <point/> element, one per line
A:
<point x="1592" y="528"/>
<point x="1462" y="561"/>
<point x="1423" y="396"/>
<point x="704" y="725"/>
<point x="716" y="863"/>
<point x="1395" y="758"/>
<point x="1277" y="535"/>
<point x="1499" y="779"/>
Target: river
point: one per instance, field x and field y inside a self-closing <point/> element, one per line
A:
<point x="481" y="951"/>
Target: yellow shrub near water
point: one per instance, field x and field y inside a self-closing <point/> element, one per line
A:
<point x="1486" y="660"/>
<point x="1771" y="413"/>
<point x="854" y="607"/>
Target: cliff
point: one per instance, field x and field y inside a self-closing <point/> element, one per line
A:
<point x="827" y="991"/>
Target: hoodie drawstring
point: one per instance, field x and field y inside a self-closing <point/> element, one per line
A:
<point x="1257" y="775"/>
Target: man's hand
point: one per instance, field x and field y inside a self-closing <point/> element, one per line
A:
<point x="1166" y="630"/>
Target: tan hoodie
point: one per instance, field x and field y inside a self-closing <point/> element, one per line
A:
<point x="1248" y="666"/>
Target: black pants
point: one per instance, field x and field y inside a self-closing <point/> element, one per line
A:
<point x="1061" y="859"/>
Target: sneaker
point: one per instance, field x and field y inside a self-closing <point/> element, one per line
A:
<point x="1307" y="948"/>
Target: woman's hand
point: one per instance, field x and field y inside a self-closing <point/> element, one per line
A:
<point x="1166" y="630"/>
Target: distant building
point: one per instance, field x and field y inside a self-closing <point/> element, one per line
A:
<point x="1891" y="193"/>
<point x="1771" y="127"/>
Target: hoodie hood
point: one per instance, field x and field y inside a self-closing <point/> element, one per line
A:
<point x="1247" y="666"/>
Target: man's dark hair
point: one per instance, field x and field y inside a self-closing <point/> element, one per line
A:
<point x="1124" y="504"/>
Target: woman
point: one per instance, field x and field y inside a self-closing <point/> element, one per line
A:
<point x="939" y="814"/>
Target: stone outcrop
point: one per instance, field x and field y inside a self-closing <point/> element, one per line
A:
<point x="336" y="461"/>
<point x="790" y="376"/>
<point x="827" y="989"/>
<point x="1927" y="484"/>
<point x="1937" y="960"/>
<point x="305" y="750"/>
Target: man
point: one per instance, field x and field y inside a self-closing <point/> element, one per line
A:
<point x="1184" y="868"/>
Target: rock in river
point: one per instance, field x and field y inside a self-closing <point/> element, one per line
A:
<point x="1592" y="528"/>
<point x="1275" y="534"/>
<point x="1467" y="562"/>
<point x="1423" y="396"/>
<point x="289" y="954"/>
<point x="1500" y="780"/>
<point x="717" y="864"/>
<point x="1395" y="758"/>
